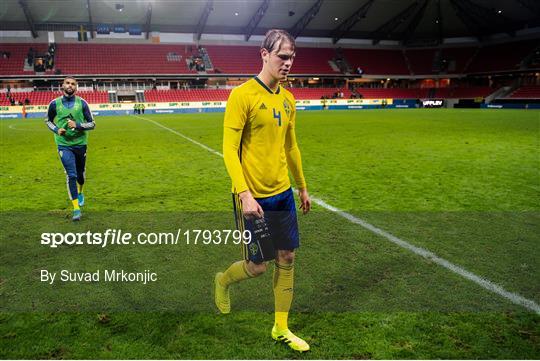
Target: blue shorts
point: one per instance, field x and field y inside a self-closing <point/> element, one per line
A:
<point x="277" y="230"/>
<point x="73" y="159"/>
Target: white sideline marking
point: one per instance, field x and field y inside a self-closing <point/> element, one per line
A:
<point x="183" y="136"/>
<point x="482" y="282"/>
<point x="13" y="127"/>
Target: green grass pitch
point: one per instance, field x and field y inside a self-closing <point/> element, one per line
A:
<point x="464" y="184"/>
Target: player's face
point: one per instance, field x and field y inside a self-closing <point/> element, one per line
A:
<point x="279" y="61"/>
<point x="69" y="86"/>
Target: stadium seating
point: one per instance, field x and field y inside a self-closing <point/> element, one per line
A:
<point x="44" y="97"/>
<point x="472" y="92"/>
<point x="460" y="57"/>
<point x="234" y="59"/>
<point x="4" y="100"/>
<point x="14" y="65"/>
<point x="247" y="60"/>
<point x="393" y="93"/>
<point x="157" y="59"/>
<point x="367" y="93"/>
<point x="527" y="92"/>
<point x="421" y="60"/>
<point x="317" y="93"/>
<point x="299" y="93"/>
<point x="377" y="61"/>
<point x="501" y="57"/>
<point x="464" y="92"/>
<point x="120" y="59"/>
<point x="313" y="61"/>
<point x="194" y="95"/>
<point x="485" y="59"/>
<point x="191" y="95"/>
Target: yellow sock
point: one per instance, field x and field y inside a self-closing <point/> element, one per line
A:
<point x="79" y="188"/>
<point x="235" y="273"/>
<point x="75" y="204"/>
<point x="283" y="293"/>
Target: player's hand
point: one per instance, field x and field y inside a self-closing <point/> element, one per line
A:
<point x="250" y="207"/>
<point x="71" y="124"/>
<point x="305" y="200"/>
<point x="61" y="131"/>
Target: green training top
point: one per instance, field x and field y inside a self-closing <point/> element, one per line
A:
<point x="72" y="136"/>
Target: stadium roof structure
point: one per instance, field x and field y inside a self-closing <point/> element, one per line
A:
<point x="406" y="21"/>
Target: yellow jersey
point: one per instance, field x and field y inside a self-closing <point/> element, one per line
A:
<point x="259" y="133"/>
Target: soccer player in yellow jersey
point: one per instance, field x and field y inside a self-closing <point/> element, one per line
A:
<point x="259" y="147"/>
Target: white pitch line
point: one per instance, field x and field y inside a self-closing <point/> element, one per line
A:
<point x="13" y="127"/>
<point x="482" y="282"/>
<point x="183" y="136"/>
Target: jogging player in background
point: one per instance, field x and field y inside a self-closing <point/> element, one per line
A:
<point x="259" y="148"/>
<point x="69" y="118"/>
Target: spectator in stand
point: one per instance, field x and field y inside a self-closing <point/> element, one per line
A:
<point x="30" y="56"/>
<point x="49" y="60"/>
<point x="27" y="101"/>
<point x="199" y="65"/>
<point x="39" y="66"/>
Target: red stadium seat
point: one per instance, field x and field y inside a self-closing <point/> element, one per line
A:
<point x="45" y="97"/>
<point x="527" y="92"/>
<point x="247" y="60"/>
<point x="120" y="59"/>
<point x="501" y="57"/>
<point x="191" y="95"/>
<point x="14" y="65"/>
<point x="377" y="61"/>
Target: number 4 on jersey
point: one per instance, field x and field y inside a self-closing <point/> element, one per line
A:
<point x="277" y="116"/>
